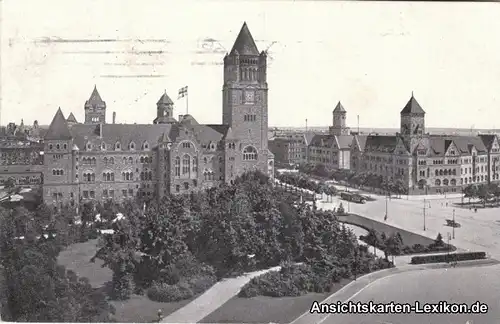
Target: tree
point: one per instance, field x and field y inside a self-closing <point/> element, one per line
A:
<point x="439" y="240"/>
<point x="10" y="183"/>
<point x="394" y="245"/>
<point x="471" y="191"/>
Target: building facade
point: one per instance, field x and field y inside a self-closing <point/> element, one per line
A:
<point x="95" y="160"/>
<point x="291" y="149"/>
<point x="22" y="161"/>
<point x="426" y="163"/>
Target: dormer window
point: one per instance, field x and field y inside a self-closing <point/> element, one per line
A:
<point x="65" y="146"/>
<point x="145" y="146"/>
<point x="58" y="146"/>
<point x="51" y="146"/>
<point x="103" y="146"/>
<point x="131" y="146"/>
<point x="89" y="146"/>
<point x="117" y="146"/>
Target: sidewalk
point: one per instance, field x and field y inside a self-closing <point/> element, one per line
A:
<point x="212" y="299"/>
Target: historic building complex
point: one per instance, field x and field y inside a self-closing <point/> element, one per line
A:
<point x="100" y="160"/>
<point x="425" y="163"/>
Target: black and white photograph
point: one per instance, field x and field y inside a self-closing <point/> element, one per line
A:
<point x="291" y="162"/>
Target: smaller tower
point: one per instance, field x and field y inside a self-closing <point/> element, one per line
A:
<point x="412" y="123"/>
<point x="164" y="110"/>
<point x="95" y="109"/>
<point x="71" y="120"/>
<point x="339" y="121"/>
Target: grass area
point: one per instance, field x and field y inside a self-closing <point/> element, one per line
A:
<point x="140" y="309"/>
<point x="263" y="309"/>
<point x="409" y="238"/>
<point x="136" y="309"/>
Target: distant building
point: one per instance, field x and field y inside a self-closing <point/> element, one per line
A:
<point x="97" y="161"/>
<point x="292" y="148"/>
<point x="424" y="163"/>
<point x="21" y="160"/>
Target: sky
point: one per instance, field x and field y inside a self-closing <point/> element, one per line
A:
<point x="368" y="55"/>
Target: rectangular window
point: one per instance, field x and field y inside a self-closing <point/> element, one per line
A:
<point x="124" y="192"/>
<point x="131" y="192"/>
<point x="105" y="193"/>
<point x="85" y="194"/>
<point x="177" y="188"/>
<point x="92" y="194"/>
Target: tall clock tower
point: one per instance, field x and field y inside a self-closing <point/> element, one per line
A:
<point x="245" y="102"/>
<point x="413" y="124"/>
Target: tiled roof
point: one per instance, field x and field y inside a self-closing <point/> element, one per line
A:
<point x="381" y="143"/>
<point x="95" y="98"/>
<point x="488" y="140"/>
<point x="165" y="99"/>
<point x="344" y="141"/>
<point x="361" y="140"/>
<point x="439" y="144"/>
<point x="339" y="108"/>
<point x="58" y="128"/>
<point x="412" y="107"/>
<point x="244" y="44"/>
<point x="322" y="140"/>
<point x="71" y="118"/>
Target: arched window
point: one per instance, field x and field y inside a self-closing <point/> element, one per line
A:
<point x="249" y="153"/>
<point x="437" y="173"/>
<point x="93" y="177"/>
<point x="454" y="172"/>
<point x="150" y="175"/>
<point x="195" y="164"/>
<point x="205" y="160"/>
<point x="112" y="177"/>
<point x="142" y="159"/>
<point x="131" y="146"/>
<point x="142" y="176"/>
<point x="445" y="172"/>
<point x="186" y="164"/>
<point x="453" y="182"/>
<point x="440" y="172"/>
<point x="94" y="161"/>
<point x="105" y="160"/>
<point x="438" y="182"/>
<point x="58" y="146"/>
<point x="117" y="146"/>
<point x="445" y="182"/>
<point x="130" y="160"/>
<point x="111" y="160"/>
<point x="177" y="166"/>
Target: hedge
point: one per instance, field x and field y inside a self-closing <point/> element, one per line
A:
<point x="438" y="258"/>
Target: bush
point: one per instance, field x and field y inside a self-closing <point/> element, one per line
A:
<point x="201" y="283"/>
<point x="162" y="292"/>
<point x="438" y="258"/>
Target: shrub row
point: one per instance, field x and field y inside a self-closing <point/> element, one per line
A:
<point x="298" y="279"/>
<point x="185" y="289"/>
<point x="438" y="258"/>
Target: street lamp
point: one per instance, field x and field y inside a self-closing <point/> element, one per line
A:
<point x="453" y="228"/>
<point x="424" y="214"/>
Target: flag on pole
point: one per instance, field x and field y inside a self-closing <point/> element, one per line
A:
<point x="183" y="92"/>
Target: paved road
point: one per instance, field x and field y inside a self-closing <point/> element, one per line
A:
<point x="479" y="232"/>
<point x="456" y="285"/>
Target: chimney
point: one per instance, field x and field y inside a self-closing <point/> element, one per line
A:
<point x="114" y="117"/>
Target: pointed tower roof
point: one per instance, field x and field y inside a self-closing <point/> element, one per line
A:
<point x="165" y="99"/>
<point x="95" y="97"/>
<point x="412" y="107"/>
<point x="339" y="108"/>
<point x="71" y="118"/>
<point x="58" y="129"/>
<point x="244" y="44"/>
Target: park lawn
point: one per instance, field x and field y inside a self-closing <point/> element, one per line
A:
<point x="409" y="238"/>
<point x="262" y="309"/>
<point x="136" y="309"/>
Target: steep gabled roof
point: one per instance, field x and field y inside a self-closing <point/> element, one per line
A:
<point x="165" y="99"/>
<point x="58" y="129"/>
<point x="344" y="142"/>
<point x="361" y="140"/>
<point x="488" y="140"/>
<point x="339" y="108"/>
<point x="412" y="107"/>
<point x="244" y="44"/>
<point x="381" y="143"/>
<point x="71" y="118"/>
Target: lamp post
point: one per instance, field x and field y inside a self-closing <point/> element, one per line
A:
<point x="453" y="228"/>
<point x="424" y="214"/>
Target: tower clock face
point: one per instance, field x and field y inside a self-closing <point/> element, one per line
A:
<point x="249" y="96"/>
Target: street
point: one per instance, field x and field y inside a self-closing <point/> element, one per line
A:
<point x="457" y="285"/>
